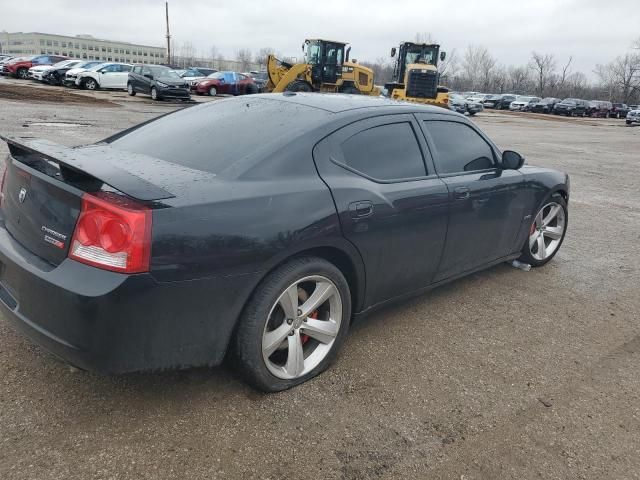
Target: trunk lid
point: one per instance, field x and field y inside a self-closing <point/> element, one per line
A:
<point x="44" y="184"/>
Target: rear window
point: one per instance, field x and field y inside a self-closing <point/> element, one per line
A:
<point x="212" y="136"/>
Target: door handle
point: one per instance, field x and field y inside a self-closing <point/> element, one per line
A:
<point x="361" y="209"/>
<point x="461" y="193"/>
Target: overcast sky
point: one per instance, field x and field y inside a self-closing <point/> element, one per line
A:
<point x="593" y="31"/>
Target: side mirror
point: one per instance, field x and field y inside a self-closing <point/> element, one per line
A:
<point x="393" y="52"/>
<point x="512" y="160"/>
<point x="443" y="55"/>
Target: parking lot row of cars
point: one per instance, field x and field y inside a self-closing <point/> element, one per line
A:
<point x="473" y="102"/>
<point x="158" y="81"/>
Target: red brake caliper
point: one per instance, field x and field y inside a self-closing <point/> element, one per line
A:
<point x="303" y="337"/>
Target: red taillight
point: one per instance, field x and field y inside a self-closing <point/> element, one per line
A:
<point x="113" y="233"/>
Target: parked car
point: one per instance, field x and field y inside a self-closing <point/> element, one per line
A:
<point x="232" y="83"/>
<point x="571" y="107"/>
<point x="109" y="75"/>
<point x="544" y="106"/>
<point x="599" y="109"/>
<point x="462" y="105"/>
<point x="69" y="78"/>
<point x="56" y="74"/>
<point x="38" y="72"/>
<point x="193" y="75"/>
<point x="491" y="100"/>
<point x="619" y="110"/>
<point x="477" y="98"/>
<point x="633" y="116"/>
<point x="19" y="67"/>
<point x="168" y="245"/>
<point x="158" y="81"/>
<point x="523" y="103"/>
<point x="260" y="79"/>
<point x="504" y="102"/>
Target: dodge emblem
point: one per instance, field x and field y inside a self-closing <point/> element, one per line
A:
<point x="22" y="195"/>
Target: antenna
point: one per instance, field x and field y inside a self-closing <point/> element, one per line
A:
<point x="166" y="6"/>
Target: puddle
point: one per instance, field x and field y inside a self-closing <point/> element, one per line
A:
<point x="58" y="124"/>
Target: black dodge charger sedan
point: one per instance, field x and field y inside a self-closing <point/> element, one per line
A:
<point x="257" y="228"/>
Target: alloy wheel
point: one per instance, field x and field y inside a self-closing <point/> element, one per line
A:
<point x="90" y="84"/>
<point x="213" y="92"/>
<point x="302" y="327"/>
<point x="547" y="231"/>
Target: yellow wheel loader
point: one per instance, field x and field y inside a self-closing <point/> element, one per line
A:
<point x="416" y="76"/>
<point x="326" y="68"/>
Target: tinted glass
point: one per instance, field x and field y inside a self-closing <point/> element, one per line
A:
<point x="213" y="136"/>
<point x="386" y="152"/>
<point x="459" y="147"/>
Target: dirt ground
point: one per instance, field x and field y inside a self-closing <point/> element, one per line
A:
<point x="504" y="374"/>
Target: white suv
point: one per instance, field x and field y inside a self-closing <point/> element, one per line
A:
<point x="106" y="75"/>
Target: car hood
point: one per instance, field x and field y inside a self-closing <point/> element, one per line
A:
<point x="75" y="71"/>
<point x="41" y="68"/>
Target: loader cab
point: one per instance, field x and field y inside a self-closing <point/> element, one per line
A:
<point x="326" y="59"/>
<point x="410" y="53"/>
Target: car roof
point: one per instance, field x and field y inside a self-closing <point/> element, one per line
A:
<point x="338" y="103"/>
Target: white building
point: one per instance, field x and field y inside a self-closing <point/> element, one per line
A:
<point x="80" y="46"/>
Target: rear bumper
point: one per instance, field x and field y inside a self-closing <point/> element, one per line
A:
<point x="113" y="323"/>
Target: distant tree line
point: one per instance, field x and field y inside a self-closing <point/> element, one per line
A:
<point x="476" y="69"/>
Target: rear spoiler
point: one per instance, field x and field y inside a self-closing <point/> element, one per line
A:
<point x="101" y="162"/>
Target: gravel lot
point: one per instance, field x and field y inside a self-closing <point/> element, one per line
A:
<point x="504" y="374"/>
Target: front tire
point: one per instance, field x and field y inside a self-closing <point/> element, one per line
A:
<point x="154" y="94"/>
<point x="90" y="84"/>
<point x="299" y="86"/>
<point x="294" y="324"/>
<point x="22" y="73"/>
<point x="130" y="90"/>
<point x="213" y="92"/>
<point x="547" y="232"/>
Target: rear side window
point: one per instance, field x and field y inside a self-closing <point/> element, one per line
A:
<point x="386" y="152"/>
<point x="459" y="148"/>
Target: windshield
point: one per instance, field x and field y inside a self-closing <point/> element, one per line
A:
<point x="88" y="64"/>
<point x="420" y="53"/>
<point x="190" y="73"/>
<point x="164" y="72"/>
<point x="313" y="53"/>
<point x="569" y="101"/>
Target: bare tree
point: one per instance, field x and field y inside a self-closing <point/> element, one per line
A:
<point x="519" y="80"/>
<point x="621" y="76"/>
<point x="213" y="54"/>
<point x="478" y="66"/>
<point x="263" y="53"/>
<point x="243" y="57"/>
<point x="187" y="54"/>
<point x="449" y="67"/>
<point x="543" y="66"/>
<point x="424" y="37"/>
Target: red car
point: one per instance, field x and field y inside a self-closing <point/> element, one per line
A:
<point x="226" y="82"/>
<point x="20" y="66"/>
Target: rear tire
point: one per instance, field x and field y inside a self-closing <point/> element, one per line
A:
<point x="538" y="252"/>
<point x="273" y="352"/>
<point x="22" y="73"/>
<point x="130" y="90"/>
<point x="299" y="86"/>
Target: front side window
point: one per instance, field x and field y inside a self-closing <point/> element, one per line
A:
<point x="313" y="54"/>
<point x="459" y="148"/>
<point x="385" y="152"/>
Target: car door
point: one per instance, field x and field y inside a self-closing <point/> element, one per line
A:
<point x="391" y="204"/>
<point x="121" y="76"/>
<point x="146" y="80"/>
<point x="487" y="204"/>
<point x="105" y="76"/>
